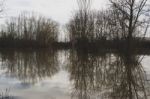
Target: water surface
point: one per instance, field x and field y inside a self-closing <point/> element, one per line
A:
<point x="70" y="74"/>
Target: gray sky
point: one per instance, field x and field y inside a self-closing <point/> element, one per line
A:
<point x="59" y="10"/>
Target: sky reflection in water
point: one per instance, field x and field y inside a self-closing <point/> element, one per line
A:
<point x="74" y="74"/>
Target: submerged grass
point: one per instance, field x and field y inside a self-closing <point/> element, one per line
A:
<point x="5" y="94"/>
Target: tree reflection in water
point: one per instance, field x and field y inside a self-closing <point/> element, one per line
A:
<point x="99" y="75"/>
<point x="30" y="66"/>
<point x="107" y="76"/>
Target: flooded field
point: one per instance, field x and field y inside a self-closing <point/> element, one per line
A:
<point x="70" y="74"/>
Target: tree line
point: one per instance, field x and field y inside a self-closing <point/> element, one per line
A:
<point x="29" y="30"/>
<point x="124" y="22"/>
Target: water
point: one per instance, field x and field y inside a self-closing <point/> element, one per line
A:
<point x="70" y="74"/>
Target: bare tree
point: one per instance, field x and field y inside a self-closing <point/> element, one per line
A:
<point x="81" y="27"/>
<point x="30" y="29"/>
<point x="133" y="16"/>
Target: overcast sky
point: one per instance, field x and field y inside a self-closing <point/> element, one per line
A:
<point x="59" y="10"/>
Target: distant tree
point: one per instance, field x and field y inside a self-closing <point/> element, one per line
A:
<point x="29" y="28"/>
<point x="81" y="27"/>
